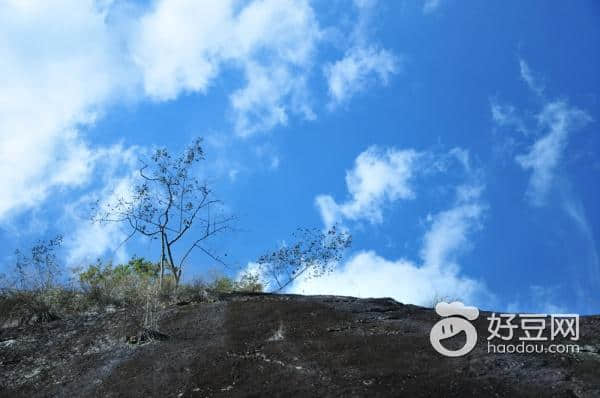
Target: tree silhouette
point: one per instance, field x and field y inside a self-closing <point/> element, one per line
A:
<point x="169" y="203"/>
<point x="313" y="254"/>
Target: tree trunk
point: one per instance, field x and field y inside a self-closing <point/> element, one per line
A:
<point x="162" y="262"/>
<point x="174" y="270"/>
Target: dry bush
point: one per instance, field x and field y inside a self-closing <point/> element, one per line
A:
<point x="146" y="307"/>
<point x="31" y="297"/>
<point x="248" y="282"/>
<point x="438" y="298"/>
<point x="135" y="286"/>
<point x="195" y="291"/>
<point x="122" y="285"/>
<point x="18" y="307"/>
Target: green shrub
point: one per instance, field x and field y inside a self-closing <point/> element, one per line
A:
<point x="249" y="283"/>
<point x="223" y="284"/>
<point x="135" y="285"/>
<point x="144" y="268"/>
<point x="123" y="284"/>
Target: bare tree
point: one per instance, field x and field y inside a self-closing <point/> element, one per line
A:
<point x="39" y="269"/>
<point x="313" y="254"/>
<point x="169" y="203"/>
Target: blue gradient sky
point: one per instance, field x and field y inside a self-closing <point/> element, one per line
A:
<point x="456" y="140"/>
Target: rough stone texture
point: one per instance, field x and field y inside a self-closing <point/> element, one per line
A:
<point x="280" y="345"/>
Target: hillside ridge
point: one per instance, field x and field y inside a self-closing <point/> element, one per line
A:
<point x="279" y="345"/>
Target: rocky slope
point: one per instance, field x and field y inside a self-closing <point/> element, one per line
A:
<point x="279" y="345"/>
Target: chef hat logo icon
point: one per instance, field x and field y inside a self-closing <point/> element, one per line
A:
<point x="456" y="320"/>
<point x="456" y="308"/>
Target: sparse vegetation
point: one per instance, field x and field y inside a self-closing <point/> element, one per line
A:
<point x="38" y="269"/>
<point x="121" y="284"/>
<point x="249" y="283"/>
<point x="169" y="204"/>
<point x="438" y="298"/>
<point x="33" y="297"/>
<point x="134" y="285"/>
<point x="246" y="283"/>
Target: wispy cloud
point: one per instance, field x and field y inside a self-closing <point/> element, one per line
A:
<point x="545" y="155"/>
<point x="588" y="265"/>
<point x="363" y="64"/>
<point x="532" y="82"/>
<point x="551" y="129"/>
<point x="546" y="142"/>
<point x="506" y="115"/>
<point x="360" y="67"/>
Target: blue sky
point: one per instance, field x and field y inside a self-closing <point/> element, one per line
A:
<point x="456" y="140"/>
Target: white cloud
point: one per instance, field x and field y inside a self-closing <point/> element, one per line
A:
<point x="378" y="177"/>
<point x="359" y="67"/>
<point x="545" y="155"/>
<point x="363" y="64"/>
<point x="181" y="46"/>
<point x="59" y="66"/>
<point x="64" y="63"/>
<point x="367" y="274"/>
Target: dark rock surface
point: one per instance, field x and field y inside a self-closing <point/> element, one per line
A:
<point x="280" y="345"/>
